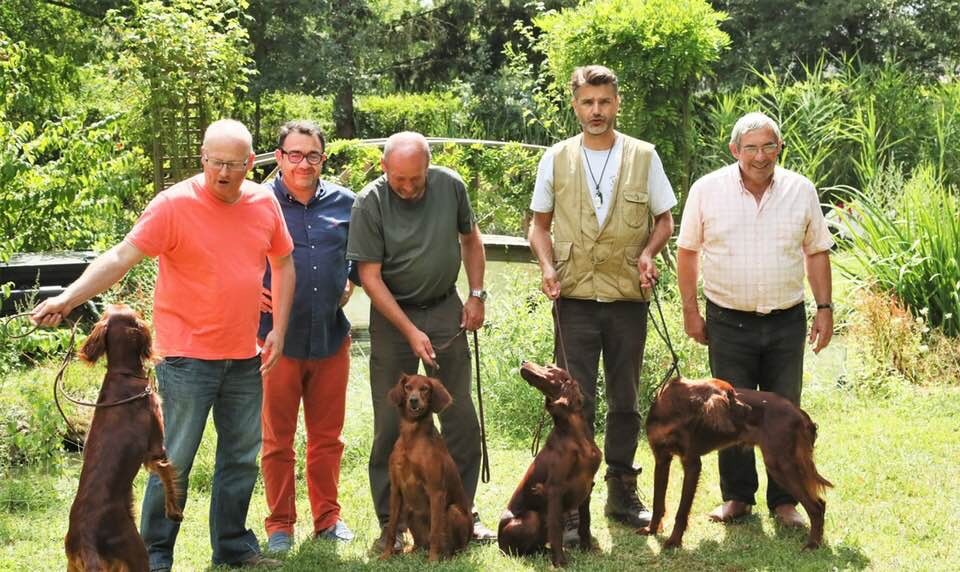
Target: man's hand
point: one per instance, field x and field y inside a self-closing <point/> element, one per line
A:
<point x="648" y="270"/>
<point x="694" y="325"/>
<point x="51" y="311"/>
<point x="473" y="311"/>
<point x="550" y="284"/>
<point x="347" y="292"/>
<point x="266" y="301"/>
<point x="421" y="346"/>
<point x="822" y="330"/>
<point x="271" y="351"/>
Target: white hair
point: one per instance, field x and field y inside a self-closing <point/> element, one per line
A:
<point x="404" y="139"/>
<point x="228" y="129"/>
<point x="752" y="122"/>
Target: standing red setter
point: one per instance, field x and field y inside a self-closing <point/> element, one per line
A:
<point x="102" y="534"/>
<point x="425" y="487"/>
<point x="690" y="418"/>
<point x="560" y="478"/>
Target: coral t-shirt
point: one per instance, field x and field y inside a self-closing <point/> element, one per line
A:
<point x="212" y="259"/>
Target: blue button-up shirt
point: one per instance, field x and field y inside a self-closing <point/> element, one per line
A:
<point x="317" y="324"/>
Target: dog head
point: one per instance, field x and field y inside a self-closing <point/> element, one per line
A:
<point x="561" y="391"/>
<point x="122" y="335"/>
<point x="722" y="410"/>
<point x="418" y="396"/>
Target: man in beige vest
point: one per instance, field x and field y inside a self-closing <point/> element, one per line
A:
<point x="608" y="199"/>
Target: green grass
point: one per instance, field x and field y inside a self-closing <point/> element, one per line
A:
<point x="894" y="463"/>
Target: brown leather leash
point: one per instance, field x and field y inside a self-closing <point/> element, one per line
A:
<point x="484" y="454"/>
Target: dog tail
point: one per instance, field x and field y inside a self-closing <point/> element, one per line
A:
<point x="814" y="482"/>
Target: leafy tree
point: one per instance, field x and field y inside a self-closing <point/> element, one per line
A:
<point x="660" y="49"/>
<point x="786" y="35"/>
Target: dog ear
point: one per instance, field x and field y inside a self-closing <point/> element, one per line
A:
<point x="716" y="413"/>
<point x="439" y="396"/>
<point x="144" y="340"/>
<point x="397" y="394"/>
<point x="96" y="343"/>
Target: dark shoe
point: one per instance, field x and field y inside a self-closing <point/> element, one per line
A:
<point x="787" y="515"/>
<point x="338" y="532"/>
<point x="730" y="511"/>
<point x="257" y="560"/>
<point x="381" y="542"/>
<point x="623" y="504"/>
<point x="480" y="532"/>
<point x="571" y="527"/>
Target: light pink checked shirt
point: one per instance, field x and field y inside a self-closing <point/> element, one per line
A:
<point x="752" y="254"/>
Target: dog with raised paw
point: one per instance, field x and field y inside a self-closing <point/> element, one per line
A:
<point x="126" y="432"/>
<point x="690" y="418"/>
<point x="561" y="476"/>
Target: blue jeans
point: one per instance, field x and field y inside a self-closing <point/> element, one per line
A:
<point x="190" y="388"/>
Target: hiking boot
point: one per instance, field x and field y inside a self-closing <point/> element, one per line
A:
<point x="623" y="504"/>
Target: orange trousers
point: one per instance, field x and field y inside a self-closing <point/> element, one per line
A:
<point x="322" y="386"/>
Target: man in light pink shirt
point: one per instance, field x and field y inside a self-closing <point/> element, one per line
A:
<point x="757" y="227"/>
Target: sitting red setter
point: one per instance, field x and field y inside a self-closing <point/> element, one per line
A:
<point x="560" y="478"/>
<point x="123" y="436"/>
<point x="690" y="418"/>
<point x="425" y="487"/>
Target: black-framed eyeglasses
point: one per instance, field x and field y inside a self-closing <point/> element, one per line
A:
<point x="313" y="157"/>
<point x="217" y="164"/>
<point x="768" y="149"/>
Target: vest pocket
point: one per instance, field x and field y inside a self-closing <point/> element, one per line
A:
<point x="629" y="282"/>
<point x="561" y="259"/>
<point x="635" y="208"/>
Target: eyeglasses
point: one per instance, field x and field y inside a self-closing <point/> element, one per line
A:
<point x="217" y="164"/>
<point x="768" y="149"/>
<point x="295" y="157"/>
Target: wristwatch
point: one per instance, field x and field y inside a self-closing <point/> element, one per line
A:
<point x="827" y="306"/>
<point x="482" y="294"/>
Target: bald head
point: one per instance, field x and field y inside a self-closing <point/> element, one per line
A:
<point x="406" y="143"/>
<point x="405" y="162"/>
<point x="228" y="131"/>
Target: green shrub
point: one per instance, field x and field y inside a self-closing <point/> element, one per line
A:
<point x="908" y="244"/>
<point x="660" y="49"/>
<point x="433" y="114"/>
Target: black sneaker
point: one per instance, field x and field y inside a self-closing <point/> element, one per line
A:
<point x="623" y="505"/>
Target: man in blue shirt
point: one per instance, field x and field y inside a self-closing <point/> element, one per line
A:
<point x="316" y="355"/>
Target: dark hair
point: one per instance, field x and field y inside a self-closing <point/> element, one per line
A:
<point x="593" y="75"/>
<point x="302" y="126"/>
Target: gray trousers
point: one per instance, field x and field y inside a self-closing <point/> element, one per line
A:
<point x="391" y="356"/>
<point x="618" y="330"/>
<point x="755" y="352"/>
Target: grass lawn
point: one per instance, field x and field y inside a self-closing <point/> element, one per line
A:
<point x="894" y="462"/>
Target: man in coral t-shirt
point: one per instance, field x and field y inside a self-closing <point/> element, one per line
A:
<point x="213" y="234"/>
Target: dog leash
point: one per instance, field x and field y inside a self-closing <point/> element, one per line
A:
<point x="665" y="336"/>
<point x="538" y="433"/>
<point x="484" y="454"/>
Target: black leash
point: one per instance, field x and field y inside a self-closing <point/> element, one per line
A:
<point x="484" y="455"/>
<point x="665" y="336"/>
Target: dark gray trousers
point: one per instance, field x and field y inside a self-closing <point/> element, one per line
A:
<point x="618" y="330"/>
<point x="390" y="356"/>
<point x="755" y="352"/>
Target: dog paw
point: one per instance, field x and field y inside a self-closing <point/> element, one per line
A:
<point x="672" y="543"/>
<point x="175" y="516"/>
<point x="811" y="545"/>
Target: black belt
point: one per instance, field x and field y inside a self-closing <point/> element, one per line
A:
<point x="757" y="314"/>
<point x="427" y="304"/>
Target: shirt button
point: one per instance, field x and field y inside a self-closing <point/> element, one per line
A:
<point x="314" y="289"/>
<point x="314" y="267"/>
<point x="308" y="226"/>
<point x="312" y="246"/>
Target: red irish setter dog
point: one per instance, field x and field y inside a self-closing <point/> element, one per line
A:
<point x="690" y="418"/>
<point x="560" y="478"/>
<point x="425" y="487"/>
<point x="123" y="436"/>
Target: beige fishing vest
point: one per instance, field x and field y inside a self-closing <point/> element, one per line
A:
<point x="600" y="263"/>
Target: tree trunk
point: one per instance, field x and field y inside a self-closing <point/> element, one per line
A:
<point x="343" y="112"/>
